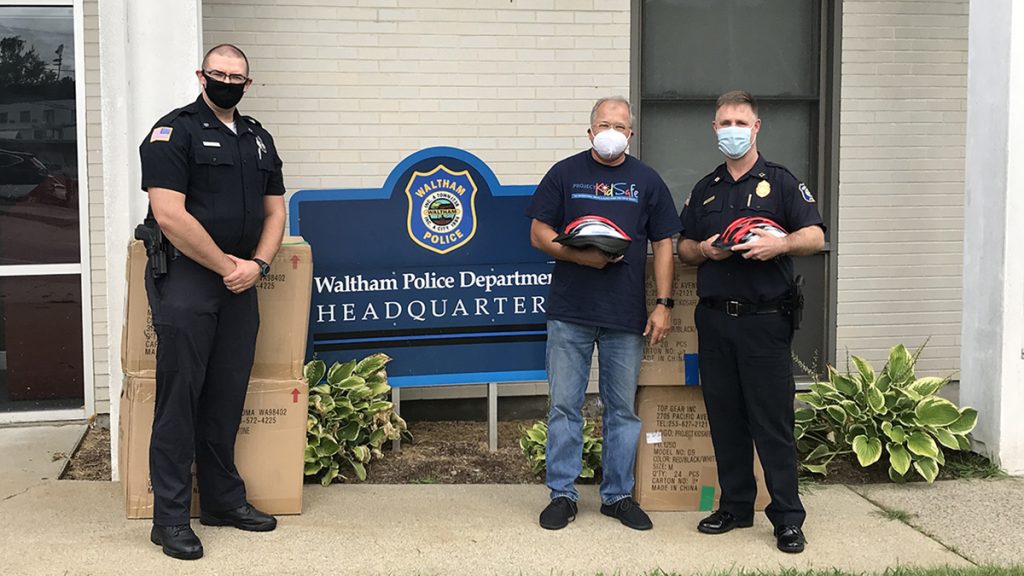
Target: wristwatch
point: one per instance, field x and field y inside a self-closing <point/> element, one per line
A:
<point x="666" y="302"/>
<point x="264" y="267"/>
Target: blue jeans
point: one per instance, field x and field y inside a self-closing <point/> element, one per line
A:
<point x="569" y="350"/>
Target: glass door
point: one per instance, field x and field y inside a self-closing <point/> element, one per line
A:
<point x="43" y="217"/>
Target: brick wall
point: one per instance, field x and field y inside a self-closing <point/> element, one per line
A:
<point x="901" y="194"/>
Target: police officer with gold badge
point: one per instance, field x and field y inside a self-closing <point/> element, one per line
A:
<point x="216" y="194"/>
<point x="735" y="227"/>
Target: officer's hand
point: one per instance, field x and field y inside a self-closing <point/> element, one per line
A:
<point x="765" y="247"/>
<point x="712" y="253"/>
<point x="245" y="275"/>
<point x="595" y="258"/>
<point x="658" y="324"/>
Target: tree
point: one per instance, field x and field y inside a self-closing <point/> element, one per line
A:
<point x="19" y="67"/>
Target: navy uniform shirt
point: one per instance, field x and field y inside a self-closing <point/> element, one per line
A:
<point x="223" y="176"/>
<point x="768" y="190"/>
<point x="634" y="197"/>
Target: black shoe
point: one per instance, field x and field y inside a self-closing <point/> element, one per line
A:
<point x="245" y="517"/>
<point x="558" y="513"/>
<point x="721" y="522"/>
<point x="177" y="541"/>
<point x="790" y="539"/>
<point x="629" y="513"/>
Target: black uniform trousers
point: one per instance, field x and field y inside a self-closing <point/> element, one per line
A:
<point x="746" y="376"/>
<point x="206" y="340"/>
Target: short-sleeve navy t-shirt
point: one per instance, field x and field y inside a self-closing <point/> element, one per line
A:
<point x="768" y="190"/>
<point x="636" y="199"/>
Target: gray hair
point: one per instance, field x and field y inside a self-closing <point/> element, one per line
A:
<point x="616" y="99"/>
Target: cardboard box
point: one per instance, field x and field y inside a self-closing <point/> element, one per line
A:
<point x="284" y="315"/>
<point x="673" y="362"/>
<point x="269" y="448"/>
<point x="675" y="462"/>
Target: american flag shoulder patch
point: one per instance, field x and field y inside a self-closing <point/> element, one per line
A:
<point x="161" y="134"/>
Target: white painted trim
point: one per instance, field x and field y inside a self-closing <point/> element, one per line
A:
<point x="36" y="416"/>
<point x="85" y="255"/>
<point x="117" y="180"/>
<point x="41" y="269"/>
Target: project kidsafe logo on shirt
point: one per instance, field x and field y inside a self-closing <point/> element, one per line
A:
<point x="442" y="209"/>
<point x="606" y="191"/>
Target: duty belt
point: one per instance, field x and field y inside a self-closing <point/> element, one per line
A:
<point x="738" y="308"/>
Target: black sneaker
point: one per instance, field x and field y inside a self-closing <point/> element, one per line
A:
<point x="558" y="513"/>
<point x="629" y="513"/>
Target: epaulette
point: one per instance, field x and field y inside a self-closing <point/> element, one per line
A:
<point x="172" y="115"/>
<point x="251" y="120"/>
<point x="771" y="164"/>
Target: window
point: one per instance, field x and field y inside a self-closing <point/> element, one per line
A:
<point x="3" y="117"/>
<point x="25" y="116"/>
<point x="692" y="51"/>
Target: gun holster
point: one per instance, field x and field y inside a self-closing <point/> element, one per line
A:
<point x="157" y="247"/>
<point x="793" y="304"/>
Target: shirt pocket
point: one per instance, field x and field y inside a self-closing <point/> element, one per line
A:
<point x="768" y="205"/>
<point x="265" y="163"/>
<point x="214" y="169"/>
<point x="710" y="215"/>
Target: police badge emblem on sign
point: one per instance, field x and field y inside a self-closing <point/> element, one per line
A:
<point x="805" y="192"/>
<point x="442" y="213"/>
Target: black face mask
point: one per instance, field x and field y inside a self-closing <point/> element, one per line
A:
<point x="222" y="94"/>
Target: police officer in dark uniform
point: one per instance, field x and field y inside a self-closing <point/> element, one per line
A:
<point x="216" y="194"/>
<point x="745" y="319"/>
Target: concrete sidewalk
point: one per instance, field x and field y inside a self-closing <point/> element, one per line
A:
<point x="69" y="527"/>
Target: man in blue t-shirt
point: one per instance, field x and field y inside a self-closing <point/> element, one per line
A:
<point x="598" y="297"/>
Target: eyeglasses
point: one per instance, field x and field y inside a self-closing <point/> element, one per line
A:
<point x="602" y="126"/>
<point x="229" y="78"/>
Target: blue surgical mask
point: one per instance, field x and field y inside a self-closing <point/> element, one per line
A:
<point x="734" y="141"/>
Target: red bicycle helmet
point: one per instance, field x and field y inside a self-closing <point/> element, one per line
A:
<point x="595" y="231"/>
<point x="741" y="231"/>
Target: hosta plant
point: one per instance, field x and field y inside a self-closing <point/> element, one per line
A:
<point x="890" y="414"/>
<point x="534" y="442"/>
<point x="350" y="417"/>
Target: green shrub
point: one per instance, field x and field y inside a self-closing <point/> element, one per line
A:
<point x="350" y="416"/>
<point x="891" y="412"/>
<point x="534" y="441"/>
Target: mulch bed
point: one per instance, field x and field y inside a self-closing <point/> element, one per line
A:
<point x="457" y="453"/>
<point x="92" y="459"/>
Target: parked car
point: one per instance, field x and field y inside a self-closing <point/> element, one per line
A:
<point x="23" y="176"/>
<point x="20" y="173"/>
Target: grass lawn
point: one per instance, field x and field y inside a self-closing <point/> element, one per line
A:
<point x="904" y="571"/>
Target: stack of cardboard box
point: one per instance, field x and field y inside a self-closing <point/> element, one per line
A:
<point x="272" y="437"/>
<point x="675" y="462"/>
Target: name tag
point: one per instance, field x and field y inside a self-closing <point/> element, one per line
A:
<point x="211" y="144"/>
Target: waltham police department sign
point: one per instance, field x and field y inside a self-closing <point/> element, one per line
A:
<point x="435" y="268"/>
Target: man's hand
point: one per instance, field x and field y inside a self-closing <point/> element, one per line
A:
<point x="658" y="323"/>
<point x="712" y="253"/>
<point x="765" y="247"/>
<point x="245" y="275"/>
<point x="595" y="258"/>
